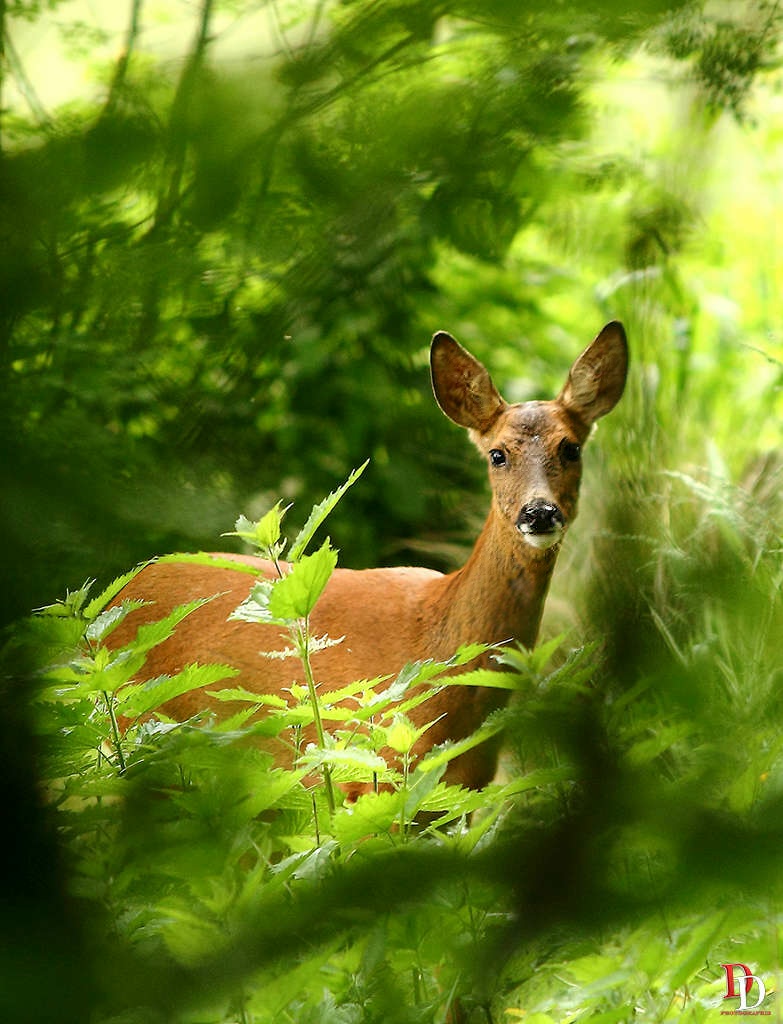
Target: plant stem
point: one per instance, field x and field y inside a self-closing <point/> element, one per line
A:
<point x="315" y="819"/>
<point x="303" y="643"/>
<point x="403" y="816"/>
<point x="115" y="729"/>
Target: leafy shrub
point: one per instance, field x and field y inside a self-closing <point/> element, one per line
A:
<point x="610" y="871"/>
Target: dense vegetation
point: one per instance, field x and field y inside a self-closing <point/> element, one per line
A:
<point x="220" y="267"/>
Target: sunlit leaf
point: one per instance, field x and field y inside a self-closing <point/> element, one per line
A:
<point x="296" y="594"/>
<point x="265" y="533"/>
<point x="92" y="609"/>
<point x="141" y="698"/>
<point x="446" y="752"/>
<point x="320" y="513"/>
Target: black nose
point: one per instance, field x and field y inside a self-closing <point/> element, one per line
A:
<point x="540" y="517"/>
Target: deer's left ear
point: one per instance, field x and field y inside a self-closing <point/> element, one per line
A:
<point x="597" y="379"/>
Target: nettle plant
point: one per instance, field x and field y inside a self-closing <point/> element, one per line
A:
<point x="363" y="733"/>
<point x="187" y="835"/>
<point x="106" y="730"/>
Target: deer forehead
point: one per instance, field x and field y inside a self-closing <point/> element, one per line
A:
<point x="545" y="422"/>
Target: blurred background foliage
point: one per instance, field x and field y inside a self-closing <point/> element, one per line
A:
<point x="227" y="232"/>
<point x="224" y="254"/>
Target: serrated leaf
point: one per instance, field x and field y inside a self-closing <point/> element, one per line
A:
<point x="421" y="784"/>
<point x="296" y="594"/>
<point x="314" y="644"/>
<point x="141" y="698"/>
<point x="423" y="671"/>
<point x="208" y="559"/>
<point x="268" y="528"/>
<point x="110" y="592"/>
<point x="239" y="693"/>
<point x="415" y="673"/>
<point x="324" y="643"/>
<point x="356" y="690"/>
<point x="466" y="653"/>
<point x="150" y="634"/>
<point x="487" y="677"/>
<point x="319" y="514"/>
<point x="364" y="762"/>
<point x="106" y="621"/>
<point x="406" y="706"/>
<point x="269" y="788"/>
<point x="532" y="661"/>
<point x="235" y="723"/>
<point x="446" y="752"/>
<point x="453" y="802"/>
<point x="70" y="606"/>
<point x="449" y="803"/>
<point x="81" y="677"/>
<point x="373" y="813"/>
<point x="310" y="865"/>
<point x="578" y="668"/>
<point x="255" y="607"/>
<point x="265" y="532"/>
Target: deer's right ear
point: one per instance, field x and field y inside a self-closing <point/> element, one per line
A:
<point x="463" y="388"/>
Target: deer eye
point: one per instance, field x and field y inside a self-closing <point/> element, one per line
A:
<point x="570" y="451"/>
<point x="497" y="457"/>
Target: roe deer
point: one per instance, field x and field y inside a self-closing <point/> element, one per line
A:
<point x="390" y="617"/>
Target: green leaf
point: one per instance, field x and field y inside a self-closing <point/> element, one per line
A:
<point x="542" y="654"/>
<point x="106" y="595"/>
<point x="363" y="762"/>
<point x="150" y="634"/>
<point x="665" y="738"/>
<point x="701" y="941"/>
<point x="84" y="675"/>
<point x="530" y="661"/>
<point x="578" y="668"/>
<point x="373" y="813"/>
<point x="487" y="677"/>
<point x="362" y="691"/>
<point x="263" y="534"/>
<point x="206" y="558"/>
<point x="420" y="785"/>
<point x="446" y="752"/>
<point x="70" y="605"/>
<point x="239" y="693"/>
<point x="414" y="673"/>
<point x="310" y="865"/>
<point x="268" y="789"/>
<point x="103" y="623"/>
<point x="255" y="607"/>
<point x="401" y="734"/>
<point x="295" y="595"/>
<point x="315" y="644"/>
<point x="319" y="514"/>
<point x="141" y="698"/>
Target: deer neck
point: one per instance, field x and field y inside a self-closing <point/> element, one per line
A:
<point x="498" y="596"/>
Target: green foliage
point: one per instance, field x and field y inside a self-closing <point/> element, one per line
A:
<point x="180" y="832"/>
<point x="188" y="259"/>
<point x="629" y="853"/>
<point x="218" y="275"/>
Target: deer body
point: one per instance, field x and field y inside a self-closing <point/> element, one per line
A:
<point x="393" y="616"/>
